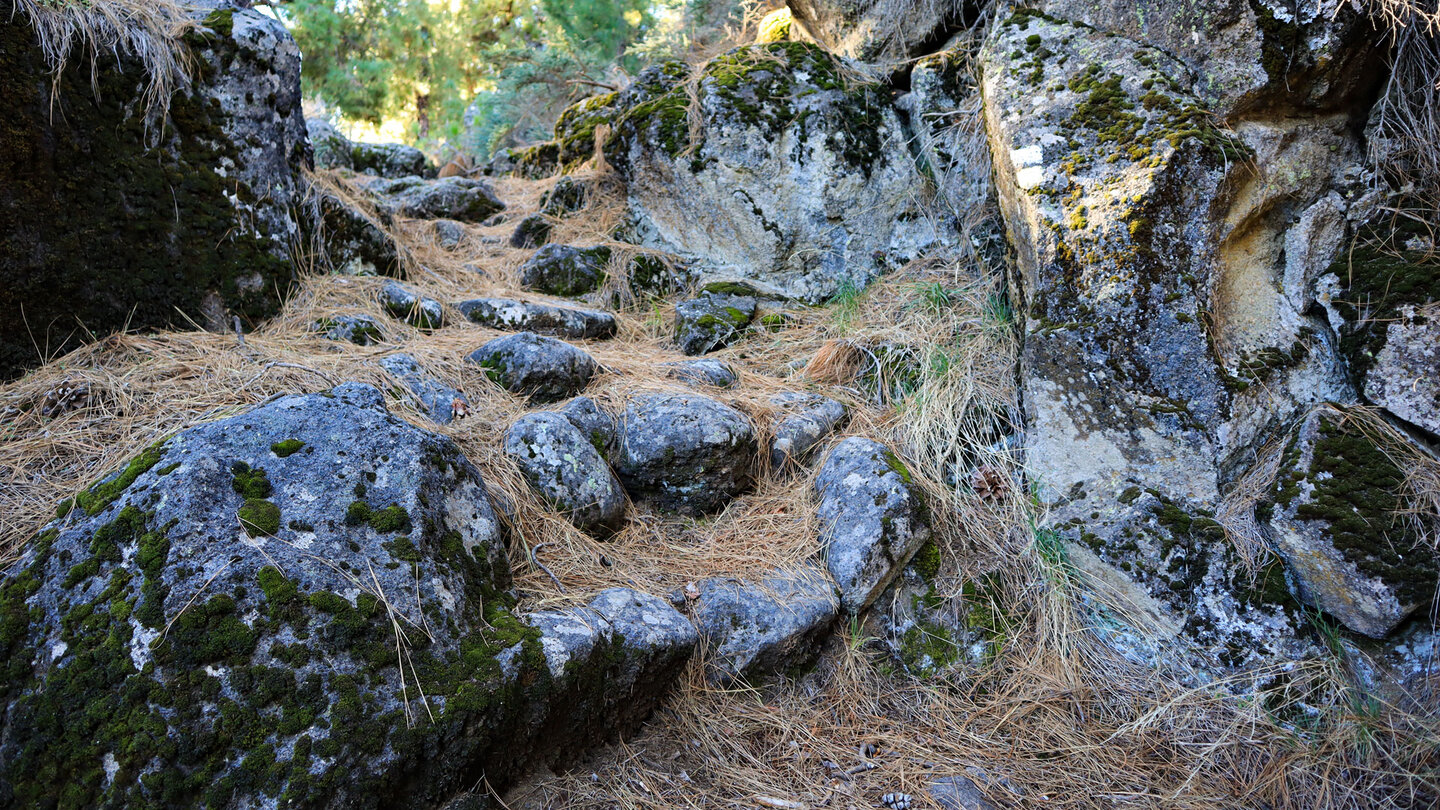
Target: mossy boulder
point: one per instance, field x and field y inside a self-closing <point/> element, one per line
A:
<point x="873" y="519"/>
<point x="565" y="270"/>
<point x="335" y="151"/>
<point x="567" y="470"/>
<point x="539" y="367"/>
<point x="576" y="127"/>
<point x="403" y="303"/>
<point x="349" y="241"/>
<point x="362" y="330"/>
<point x="360" y="650"/>
<point x="800" y="174"/>
<point x="1339" y="519"/>
<point x="685" y="452"/>
<point x="117" y="219"/>
<point x="712" y="321"/>
<point x="532" y="231"/>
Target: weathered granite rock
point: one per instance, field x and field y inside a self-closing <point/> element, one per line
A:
<point x="703" y="372"/>
<point x="532" y="316"/>
<point x="542" y="368"/>
<point x="870" y="30"/>
<point x="560" y="462"/>
<point x="1404" y="379"/>
<point x="1169" y="328"/>
<point x="392" y="160"/>
<point x="458" y="198"/>
<point x="409" y="306"/>
<point x="533" y="231"/>
<point x="1337" y="521"/>
<point x="873" y="519"/>
<point x="808" y="419"/>
<point x="362" y="330"/>
<point x="800" y="178"/>
<point x="349" y="241"/>
<point x="595" y="423"/>
<point x="114" y="219"/>
<point x="684" y="452"/>
<point x="638" y="642"/>
<point x="942" y="103"/>
<point x="437" y="400"/>
<point x="568" y="194"/>
<point x="712" y="321"/>
<point x="565" y="270"/>
<point x="449" y="234"/>
<point x="758" y="629"/>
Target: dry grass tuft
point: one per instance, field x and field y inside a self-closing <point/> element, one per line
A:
<point x="149" y="30"/>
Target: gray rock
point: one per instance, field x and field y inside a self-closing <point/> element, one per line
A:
<point x="533" y="231"/>
<point x="542" y="368"/>
<point x="560" y="462"/>
<point x="362" y="330"/>
<point x="595" y="423"/>
<point x="712" y="321"/>
<point x="703" y="372"/>
<point x="758" y="629"/>
<point x="565" y="270"/>
<point x="437" y="400"/>
<point x="275" y="547"/>
<point x="212" y="246"/>
<point x="390" y="160"/>
<point x="1337" y="521"/>
<point x="802" y="179"/>
<point x="331" y="149"/>
<point x="684" y="452"/>
<point x="532" y="316"/>
<point x="942" y="93"/>
<point x="409" y="306"/>
<point x="809" y="419"/>
<point x="959" y="793"/>
<point x="1404" y="378"/>
<point x="874" y="31"/>
<point x="873" y="519"/>
<point x="458" y="198"/>
<point x="449" y="234"/>
<point x="350" y="241"/>
<point x="566" y="197"/>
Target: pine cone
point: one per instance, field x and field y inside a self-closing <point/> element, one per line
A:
<point x="990" y="484"/>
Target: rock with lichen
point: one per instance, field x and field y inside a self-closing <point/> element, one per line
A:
<point x="362" y="330"/>
<point x="704" y="371"/>
<point x="685" y="452"/>
<point x="435" y="399"/>
<point x="541" y="368"/>
<point x="335" y="151"/>
<point x="712" y="321"/>
<point x="534" y="316"/>
<point x="593" y="421"/>
<point x="567" y="470"/>
<point x="458" y="198"/>
<point x="411" y="307"/>
<point x="1338" y="516"/>
<point x="759" y="628"/>
<point x="798" y="171"/>
<point x="565" y="270"/>
<point x="145" y="199"/>
<point x="805" y="420"/>
<point x="873" y="518"/>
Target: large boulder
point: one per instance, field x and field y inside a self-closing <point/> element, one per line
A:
<point x="138" y="196"/>
<point x="306" y="603"/>
<point x="871" y="30"/>
<point x="1337" y="516"/>
<point x="568" y="471"/>
<point x="457" y="198"/>
<point x="798" y="176"/>
<point x="685" y="452"/>
<point x="542" y="368"/>
<point x="873" y="518"/>
<point x="1170" y="329"/>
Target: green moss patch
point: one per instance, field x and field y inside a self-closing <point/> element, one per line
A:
<point x="95" y="499"/>
<point x="260" y="518"/>
<point x="287" y="448"/>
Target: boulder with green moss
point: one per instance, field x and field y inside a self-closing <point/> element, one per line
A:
<point x="123" y="213"/>
<point x="712" y="321"/>
<point x="565" y="270"/>
<point x="305" y="605"/>
<point x="873" y="519"/>
<point x="411" y="307"/>
<point x="787" y="170"/>
<point x="1339" y="518"/>
<point x="541" y="368"/>
<point x="362" y="330"/>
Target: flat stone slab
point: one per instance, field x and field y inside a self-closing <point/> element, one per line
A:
<point x="531" y="316"/>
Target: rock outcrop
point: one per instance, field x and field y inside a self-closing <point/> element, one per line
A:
<point x="305" y="603"/>
<point x="798" y="178"/>
<point x="457" y="198"/>
<point x="392" y="160"/>
<point x="123" y="213"/>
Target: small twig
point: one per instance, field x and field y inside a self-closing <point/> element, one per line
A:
<point x="534" y="560"/>
<point x="861" y="768"/>
<point x="780" y="804"/>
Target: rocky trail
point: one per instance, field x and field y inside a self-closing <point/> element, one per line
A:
<point x="1048" y="421"/>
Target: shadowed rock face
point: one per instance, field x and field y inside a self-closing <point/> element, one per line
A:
<point x="111" y="219"/>
<point x="222" y="622"/>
